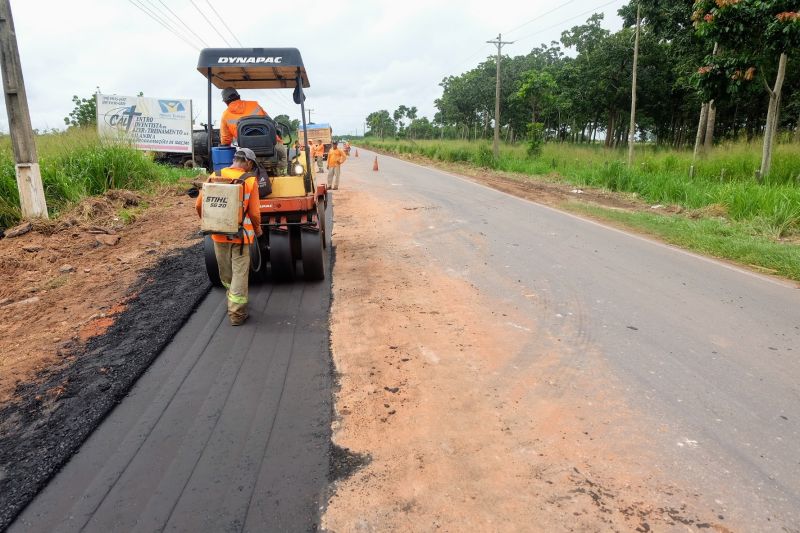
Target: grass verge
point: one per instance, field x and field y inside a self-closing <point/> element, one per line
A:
<point x="714" y="237"/>
<point x="76" y="164"/>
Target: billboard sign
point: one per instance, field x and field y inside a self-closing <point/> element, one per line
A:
<point x="156" y="124"/>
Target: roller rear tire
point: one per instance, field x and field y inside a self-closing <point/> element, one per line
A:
<point x="311" y="249"/>
<point x="280" y="256"/>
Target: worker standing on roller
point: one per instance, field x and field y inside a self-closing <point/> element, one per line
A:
<point x="233" y="252"/>
<point x="238" y="108"/>
<point x="335" y="159"/>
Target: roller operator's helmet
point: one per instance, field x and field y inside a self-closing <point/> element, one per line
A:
<point x="229" y="94"/>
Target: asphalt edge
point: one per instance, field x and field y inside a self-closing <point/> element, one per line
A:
<point x="95" y="378"/>
<point x="342" y="462"/>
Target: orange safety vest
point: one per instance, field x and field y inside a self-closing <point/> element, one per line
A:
<point x="230" y="118"/>
<point x="249" y="211"/>
<point x="335" y="157"/>
<point x="319" y="150"/>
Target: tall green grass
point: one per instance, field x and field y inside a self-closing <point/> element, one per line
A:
<point x="724" y="179"/>
<point x="715" y="237"/>
<point x="76" y="164"/>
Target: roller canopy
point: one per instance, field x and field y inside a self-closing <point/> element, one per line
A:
<point x="253" y="68"/>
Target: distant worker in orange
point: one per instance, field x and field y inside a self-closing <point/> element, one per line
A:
<point x="233" y="252"/>
<point x="335" y="159"/>
<point x="238" y="108"/>
<point x="319" y="154"/>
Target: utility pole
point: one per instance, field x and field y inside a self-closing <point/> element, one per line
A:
<point x="29" y="178"/>
<point x="632" y="129"/>
<point x="496" y="146"/>
<point x="309" y="115"/>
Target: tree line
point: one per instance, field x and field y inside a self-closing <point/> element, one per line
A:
<point x="708" y="70"/>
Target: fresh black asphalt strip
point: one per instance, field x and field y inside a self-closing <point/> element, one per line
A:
<point x="37" y="434"/>
<point x="228" y="430"/>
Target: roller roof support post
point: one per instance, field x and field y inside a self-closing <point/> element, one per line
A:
<point x="209" y="127"/>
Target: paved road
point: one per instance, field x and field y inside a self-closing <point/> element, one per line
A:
<point x="708" y="351"/>
<point x="219" y="436"/>
<point x="229" y="429"/>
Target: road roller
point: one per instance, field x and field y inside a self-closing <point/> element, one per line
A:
<point x="293" y="243"/>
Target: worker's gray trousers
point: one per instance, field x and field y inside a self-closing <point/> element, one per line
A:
<point x="333" y="176"/>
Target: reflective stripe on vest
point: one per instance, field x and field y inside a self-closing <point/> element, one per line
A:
<point x="249" y="108"/>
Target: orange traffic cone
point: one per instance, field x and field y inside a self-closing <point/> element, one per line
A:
<point x="375" y="164"/>
<point x="356" y="152"/>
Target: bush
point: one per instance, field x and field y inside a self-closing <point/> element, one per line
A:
<point x="484" y="157"/>
<point x="535" y="139"/>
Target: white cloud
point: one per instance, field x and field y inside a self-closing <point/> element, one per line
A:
<point x="360" y="55"/>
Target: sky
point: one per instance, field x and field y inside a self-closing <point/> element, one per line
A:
<point x="360" y="55"/>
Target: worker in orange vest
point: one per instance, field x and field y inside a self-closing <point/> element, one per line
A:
<point x="335" y="159"/>
<point x="233" y="252"/>
<point x="319" y="154"/>
<point x="238" y="108"/>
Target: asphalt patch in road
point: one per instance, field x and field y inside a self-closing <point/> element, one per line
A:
<point x="344" y="462"/>
<point x="51" y="417"/>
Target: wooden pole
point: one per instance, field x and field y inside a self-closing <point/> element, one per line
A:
<point x="496" y="145"/>
<point x="632" y="128"/>
<point x="701" y="131"/>
<point x="29" y="177"/>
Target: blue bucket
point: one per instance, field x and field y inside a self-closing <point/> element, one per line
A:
<point x="222" y="157"/>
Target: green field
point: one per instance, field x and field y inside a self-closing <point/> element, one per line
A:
<point x="732" y="215"/>
<point x="76" y="164"/>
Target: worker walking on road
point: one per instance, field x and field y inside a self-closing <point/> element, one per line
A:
<point x="233" y="253"/>
<point x="335" y="159"/>
<point x="319" y="154"/>
<point x="237" y="109"/>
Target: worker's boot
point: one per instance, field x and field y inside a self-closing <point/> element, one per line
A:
<point x="237" y="319"/>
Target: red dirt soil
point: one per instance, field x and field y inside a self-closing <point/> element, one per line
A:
<point x="59" y="286"/>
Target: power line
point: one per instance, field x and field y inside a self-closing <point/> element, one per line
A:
<point x="277" y="96"/>
<point x="286" y="102"/>
<point x="473" y="56"/>
<point x="163" y="17"/>
<point x="540" y="16"/>
<point x="280" y="96"/>
<point x="542" y="30"/>
<point x="224" y="24"/>
<point x="180" y="19"/>
<point x="210" y="23"/>
<point x="144" y="10"/>
<point x="537" y="32"/>
<point x="284" y="99"/>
